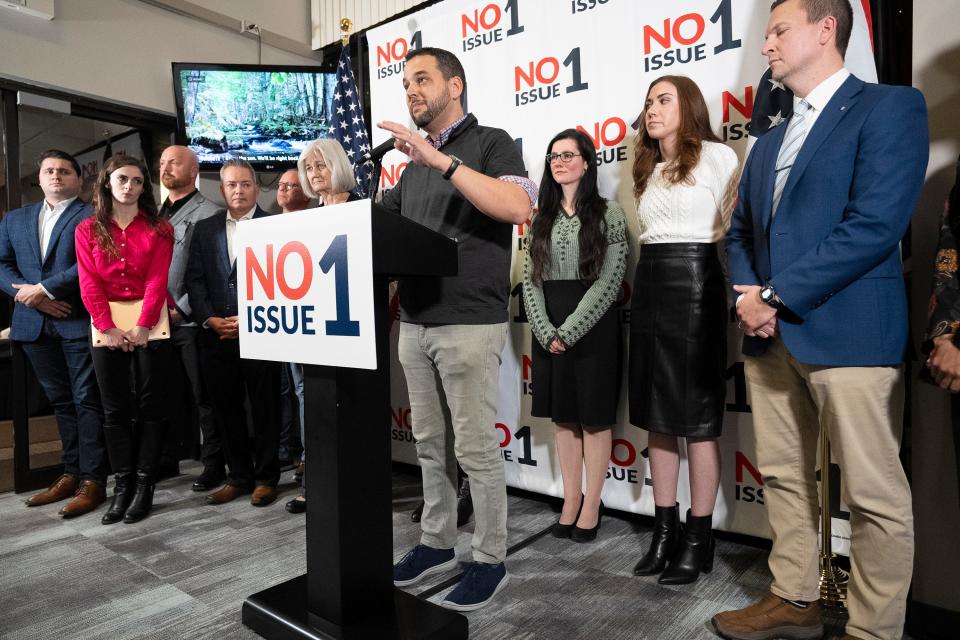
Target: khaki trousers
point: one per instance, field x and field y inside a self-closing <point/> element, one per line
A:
<point x="452" y="374"/>
<point x="862" y="409"/>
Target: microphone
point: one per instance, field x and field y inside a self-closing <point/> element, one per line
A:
<point x="378" y="151"/>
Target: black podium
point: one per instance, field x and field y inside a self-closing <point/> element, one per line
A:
<point x="347" y="592"/>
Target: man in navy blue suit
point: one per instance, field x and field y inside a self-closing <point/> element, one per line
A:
<point x="38" y="268"/>
<point x="813" y="250"/>
<point x="211" y="283"/>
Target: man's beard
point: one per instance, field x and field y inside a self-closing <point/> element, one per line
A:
<point x="434" y="109"/>
<point x="174" y="183"/>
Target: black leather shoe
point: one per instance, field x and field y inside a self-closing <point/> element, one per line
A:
<point x="695" y="554"/>
<point x="587" y="535"/>
<point x="663" y="545"/>
<point x="464" y="502"/>
<point x="142" y="502"/>
<point x="209" y="479"/>
<point x="296" y="506"/>
<point x="416" y="513"/>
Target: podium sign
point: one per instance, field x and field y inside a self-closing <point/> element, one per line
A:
<point x="305" y="287"/>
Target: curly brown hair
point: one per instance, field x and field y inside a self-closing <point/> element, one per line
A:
<point x="694" y="129"/>
<point x="103" y="200"/>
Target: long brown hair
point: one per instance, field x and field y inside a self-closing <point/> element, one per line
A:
<point x="103" y="200"/>
<point x="694" y="129"/>
<point x="591" y="209"/>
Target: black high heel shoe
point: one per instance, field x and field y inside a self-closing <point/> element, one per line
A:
<point x="563" y="530"/>
<point x="587" y="535"/>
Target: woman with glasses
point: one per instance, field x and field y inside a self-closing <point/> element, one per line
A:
<point x="123" y="255"/>
<point x="576" y="258"/>
<point x="685" y="183"/>
<point x="325" y="174"/>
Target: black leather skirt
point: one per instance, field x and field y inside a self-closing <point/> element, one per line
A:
<point x="678" y="347"/>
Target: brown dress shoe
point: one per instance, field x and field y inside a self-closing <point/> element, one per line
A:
<point x="225" y="494"/>
<point x="263" y="495"/>
<point x="770" y="617"/>
<point x="62" y="488"/>
<point x="89" y="496"/>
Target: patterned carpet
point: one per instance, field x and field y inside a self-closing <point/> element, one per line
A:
<point x="184" y="572"/>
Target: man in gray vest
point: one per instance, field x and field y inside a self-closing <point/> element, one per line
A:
<point x="184" y="208"/>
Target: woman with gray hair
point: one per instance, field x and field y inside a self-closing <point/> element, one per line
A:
<point x="326" y="173"/>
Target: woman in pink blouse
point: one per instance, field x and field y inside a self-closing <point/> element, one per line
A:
<point x="123" y="254"/>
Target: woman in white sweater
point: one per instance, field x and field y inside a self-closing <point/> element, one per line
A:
<point x="685" y="183"/>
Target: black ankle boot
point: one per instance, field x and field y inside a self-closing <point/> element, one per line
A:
<point x="142" y="500"/>
<point x="695" y="553"/>
<point x="666" y="537"/>
<point x="122" y="495"/>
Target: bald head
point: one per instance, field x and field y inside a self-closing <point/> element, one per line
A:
<point x="290" y="195"/>
<point x="178" y="170"/>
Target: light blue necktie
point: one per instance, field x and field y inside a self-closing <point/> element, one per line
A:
<point x="792" y="141"/>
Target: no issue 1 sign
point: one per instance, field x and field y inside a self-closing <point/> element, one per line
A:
<point x="305" y="287"/>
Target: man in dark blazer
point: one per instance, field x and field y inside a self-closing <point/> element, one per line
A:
<point x="184" y="207"/>
<point x="813" y="250"/>
<point x="38" y="268"/>
<point x="211" y="282"/>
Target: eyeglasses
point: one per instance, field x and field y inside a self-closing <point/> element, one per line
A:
<point x="566" y="157"/>
<point x="286" y="186"/>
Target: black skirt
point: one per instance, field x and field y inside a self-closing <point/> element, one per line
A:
<point x="678" y="345"/>
<point x="582" y="384"/>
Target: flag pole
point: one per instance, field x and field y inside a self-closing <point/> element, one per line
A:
<point x="833" y="579"/>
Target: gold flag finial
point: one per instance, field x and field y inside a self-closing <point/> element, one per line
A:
<point x="346" y="24"/>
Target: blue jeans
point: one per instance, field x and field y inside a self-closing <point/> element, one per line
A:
<point x="64" y="368"/>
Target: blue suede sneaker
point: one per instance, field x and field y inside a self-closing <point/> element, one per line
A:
<point x="479" y="584"/>
<point x="420" y="562"/>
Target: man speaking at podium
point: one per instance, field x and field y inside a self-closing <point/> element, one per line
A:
<point x="467" y="182"/>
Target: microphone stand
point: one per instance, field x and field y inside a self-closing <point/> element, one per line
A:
<point x="375" y="178"/>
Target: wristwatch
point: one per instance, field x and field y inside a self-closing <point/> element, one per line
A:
<point x="456" y="162"/>
<point x="768" y="296"/>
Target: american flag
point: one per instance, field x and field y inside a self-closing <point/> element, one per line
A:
<point x="772" y="105"/>
<point x="347" y="124"/>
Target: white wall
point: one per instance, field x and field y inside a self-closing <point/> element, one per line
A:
<point x="121" y="50"/>
<point x="288" y="18"/>
<point x="936" y="72"/>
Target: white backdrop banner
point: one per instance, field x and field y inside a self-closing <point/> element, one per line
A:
<point x="536" y="67"/>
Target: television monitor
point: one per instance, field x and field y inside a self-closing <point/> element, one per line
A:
<point x="265" y="114"/>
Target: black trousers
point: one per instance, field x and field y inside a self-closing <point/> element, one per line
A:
<point x="187" y="392"/>
<point x="229" y="379"/>
<point x="133" y="387"/>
